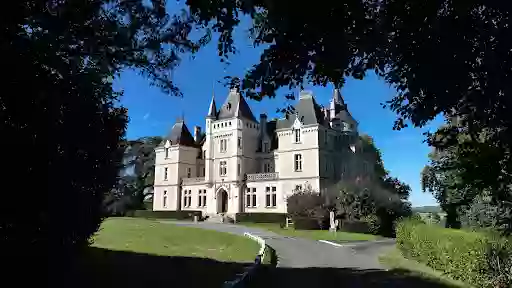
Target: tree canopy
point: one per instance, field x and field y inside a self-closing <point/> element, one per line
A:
<point x="449" y="57"/>
<point x="64" y="114"/>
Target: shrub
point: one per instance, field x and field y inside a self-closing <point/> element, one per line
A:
<point x="261" y="217"/>
<point x="307" y="204"/>
<point x="482" y="259"/>
<point x="178" y="215"/>
<point x="305" y="223"/>
<point x="355" y="226"/>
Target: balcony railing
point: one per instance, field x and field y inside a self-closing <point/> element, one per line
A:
<point x="192" y="180"/>
<point x="262" y="176"/>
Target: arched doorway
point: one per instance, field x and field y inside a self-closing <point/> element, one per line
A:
<point x="222" y="201"/>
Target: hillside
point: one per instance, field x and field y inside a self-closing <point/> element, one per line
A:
<point x="427" y="209"/>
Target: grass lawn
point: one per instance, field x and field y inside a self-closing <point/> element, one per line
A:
<point x="131" y="252"/>
<point x="313" y="234"/>
<point x="394" y="260"/>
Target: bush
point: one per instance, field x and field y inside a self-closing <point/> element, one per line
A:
<point x="305" y="223"/>
<point x="355" y="226"/>
<point x="261" y="217"/>
<point x="178" y="215"/>
<point x="482" y="259"/>
<point x="307" y="204"/>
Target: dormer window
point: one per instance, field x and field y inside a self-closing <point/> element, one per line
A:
<point x="228" y="106"/>
<point x="297" y="135"/>
<point x="166" y="153"/>
<point x="265" y="146"/>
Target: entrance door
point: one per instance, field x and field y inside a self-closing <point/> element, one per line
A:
<point x="222" y="201"/>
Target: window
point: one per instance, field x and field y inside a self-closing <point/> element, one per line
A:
<point x="166" y="153"/>
<point x="166" y="172"/>
<point x="265" y="147"/>
<point x="204" y="154"/>
<point x="297" y="135"/>
<point x="239" y="142"/>
<point x="223" y="145"/>
<point x="223" y="168"/>
<point x="189" y="172"/>
<point x="239" y="171"/>
<point x="250" y="197"/>
<point x="187" y="198"/>
<point x="270" y="196"/>
<point x="298" y="162"/>
<point x="201" y="198"/>
<point x="204" y="171"/>
<point x="266" y="167"/>
<point x="164" y="200"/>
<point x="298" y="187"/>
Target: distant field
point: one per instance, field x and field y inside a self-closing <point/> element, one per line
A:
<point x="427" y="209"/>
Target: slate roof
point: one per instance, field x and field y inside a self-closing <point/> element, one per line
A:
<point x="212" y="111"/>
<point x="235" y="105"/>
<point x="308" y="111"/>
<point x="345" y="116"/>
<point x="180" y="134"/>
<point x="271" y="132"/>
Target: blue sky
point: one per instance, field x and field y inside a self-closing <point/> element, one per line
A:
<point x="153" y="113"/>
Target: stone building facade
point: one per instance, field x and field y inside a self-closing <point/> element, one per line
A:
<point x="243" y="164"/>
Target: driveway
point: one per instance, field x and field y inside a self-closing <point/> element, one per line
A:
<point x="302" y="253"/>
<point x="310" y="264"/>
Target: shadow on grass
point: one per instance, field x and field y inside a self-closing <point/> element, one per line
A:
<point x="107" y="268"/>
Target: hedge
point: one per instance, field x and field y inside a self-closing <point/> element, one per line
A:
<point x="304" y="223"/>
<point x="481" y="259"/>
<point x="178" y="215"/>
<point x="355" y="226"/>
<point x="261" y="217"/>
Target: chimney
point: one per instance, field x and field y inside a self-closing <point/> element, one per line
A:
<point x="197" y="133"/>
<point x="263" y="124"/>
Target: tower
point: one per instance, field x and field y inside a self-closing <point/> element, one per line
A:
<point x="208" y="147"/>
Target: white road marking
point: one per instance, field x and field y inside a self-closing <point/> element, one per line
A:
<point x="331" y="243"/>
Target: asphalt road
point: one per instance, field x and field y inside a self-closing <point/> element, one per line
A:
<point x="310" y="264"/>
<point x="302" y="253"/>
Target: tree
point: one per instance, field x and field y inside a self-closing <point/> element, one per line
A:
<point x="379" y="198"/>
<point x="138" y="173"/>
<point x="306" y="203"/>
<point x="65" y="115"/>
<point x="442" y="57"/>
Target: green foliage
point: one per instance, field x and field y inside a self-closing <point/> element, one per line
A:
<point x="367" y="226"/>
<point x="463" y="197"/>
<point x="369" y="201"/>
<point x="467" y="256"/>
<point x="337" y="39"/>
<point x="65" y="116"/>
<point x="416" y="218"/>
<point x="306" y="223"/>
<point x="178" y="215"/>
<point x="306" y="206"/>
<point x="137" y="175"/>
<point x="261" y="217"/>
